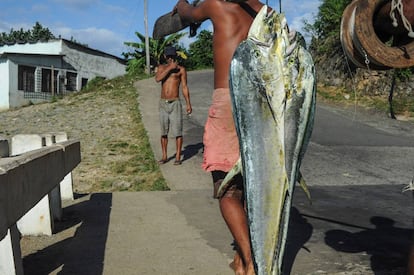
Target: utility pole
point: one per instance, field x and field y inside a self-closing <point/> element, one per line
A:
<point x="146" y="37"/>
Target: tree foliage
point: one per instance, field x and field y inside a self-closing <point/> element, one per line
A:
<point x="137" y="58"/>
<point x="326" y="27"/>
<point x="201" y="51"/>
<point x="37" y="33"/>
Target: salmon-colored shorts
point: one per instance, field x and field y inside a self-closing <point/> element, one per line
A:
<point x="221" y="144"/>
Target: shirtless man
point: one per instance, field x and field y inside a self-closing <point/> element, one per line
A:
<point x="172" y="76"/>
<point x="221" y="149"/>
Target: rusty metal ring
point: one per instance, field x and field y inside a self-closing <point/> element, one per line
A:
<point x="353" y="53"/>
<point x="365" y="37"/>
<point x="346" y="30"/>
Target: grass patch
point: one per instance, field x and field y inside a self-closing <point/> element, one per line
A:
<point x="125" y="160"/>
<point x="402" y="104"/>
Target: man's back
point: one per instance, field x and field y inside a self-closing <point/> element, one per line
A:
<point x="231" y="25"/>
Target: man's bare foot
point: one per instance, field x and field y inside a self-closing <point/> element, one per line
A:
<point x="237" y="265"/>
<point x="250" y="269"/>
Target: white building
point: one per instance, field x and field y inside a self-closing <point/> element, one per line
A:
<point x="35" y="72"/>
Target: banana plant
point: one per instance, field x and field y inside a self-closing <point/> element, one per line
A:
<point x="157" y="47"/>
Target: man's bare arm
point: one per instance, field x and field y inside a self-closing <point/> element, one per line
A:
<point x="185" y="90"/>
<point x="197" y="13"/>
<point x="164" y="71"/>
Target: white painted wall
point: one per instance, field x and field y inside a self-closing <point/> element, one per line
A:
<point x="4" y="84"/>
<point x="16" y="97"/>
<point x="50" y="47"/>
<point x="88" y="63"/>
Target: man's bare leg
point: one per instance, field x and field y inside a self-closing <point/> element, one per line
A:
<point x="237" y="264"/>
<point x="232" y="210"/>
<point x="164" y="144"/>
<point x="179" y="145"/>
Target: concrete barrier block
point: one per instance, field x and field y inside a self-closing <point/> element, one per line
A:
<point x="72" y="155"/>
<point x="55" y="200"/>
<point x="39" y="220"/>
<point x="23" y="180"/>
<point x="66" y="185"/>
<point x="27" y="178"/>
<point x="60" y="136"/>
<point x="23" y="143"/>
<point x="6" y="255"/>
<point x="10" y="253"/>
<point x="37" y="182"/>
<point x="49" y="139"/>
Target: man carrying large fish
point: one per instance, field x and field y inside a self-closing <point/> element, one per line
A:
<point x="282" y="96"/>
<point x="221" y="148"/>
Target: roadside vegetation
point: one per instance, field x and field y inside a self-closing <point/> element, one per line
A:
<point x="133" y="166"/>
<point x="370" y="89"/>
<point x="105" y="117"/>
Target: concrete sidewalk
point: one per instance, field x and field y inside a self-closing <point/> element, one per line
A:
<point x="168" y="232"/>
<point x="359" y="222"/>
<point x="174" y="232"/>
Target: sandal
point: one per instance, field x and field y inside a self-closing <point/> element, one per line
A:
<point x="177" y="162"/>
<point x="162" y="161"/>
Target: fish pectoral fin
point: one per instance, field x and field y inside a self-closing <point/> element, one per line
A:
<point x="409" y="187"/>
<point x="302" y="184"/>
<point x="237" y="169"/>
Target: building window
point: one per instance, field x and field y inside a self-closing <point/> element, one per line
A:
<point x="26" y="78"/>
<point x="49" y="83"/>
<point x="71" y="81"/>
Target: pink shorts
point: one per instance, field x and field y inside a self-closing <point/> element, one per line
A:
<point x="221" y="144"/>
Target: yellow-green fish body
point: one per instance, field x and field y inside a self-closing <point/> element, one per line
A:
<point x="272" y="86"/>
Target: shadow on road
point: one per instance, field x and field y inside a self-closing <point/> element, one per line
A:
<point x="191" y="150"/>
<point x="387" y="245"/>
<point x="84" y="252"/>
<point x="299" y="232"/>
<point x="370" y="225"/>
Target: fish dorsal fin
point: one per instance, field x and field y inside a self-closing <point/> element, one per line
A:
<point x="302" y="184"/>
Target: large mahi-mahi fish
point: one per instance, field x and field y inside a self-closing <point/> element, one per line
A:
<point x="272" y="86"/>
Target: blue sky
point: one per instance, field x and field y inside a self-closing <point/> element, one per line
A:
<point x="106" y="24"/>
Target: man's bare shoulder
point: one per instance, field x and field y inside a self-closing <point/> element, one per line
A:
<point x="210" y="6"/>
<point x="163" y="66"/>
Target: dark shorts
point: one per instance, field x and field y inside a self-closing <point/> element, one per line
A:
<point x="234" y="189"/>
